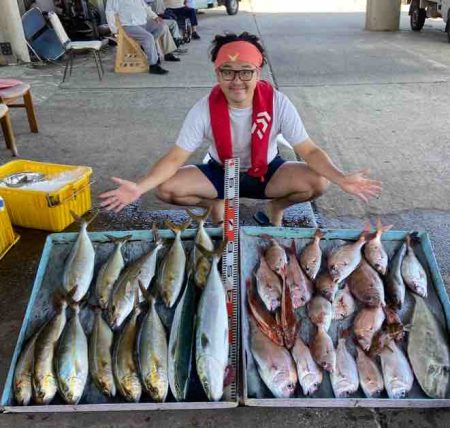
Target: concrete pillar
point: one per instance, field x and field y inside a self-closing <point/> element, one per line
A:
<point x="12" y="30"/>
<point x="383" y="15"/>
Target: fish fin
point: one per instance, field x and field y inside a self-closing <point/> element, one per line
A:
<point x="199" y="218"/>
<point x="177" y="228"/>
<point x="230" y="375"/>
<point x="118" y="239"/>
<point x="217" y="253"/>
<point x="145" y="292"/>
<point x="204" y="341"/>
<point x="136" y="299"/>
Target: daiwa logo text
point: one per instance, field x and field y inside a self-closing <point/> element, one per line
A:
<point x="261" y="124"/>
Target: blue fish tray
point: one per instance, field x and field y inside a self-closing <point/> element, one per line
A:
<point x="255" y="393"/>
<point x="40" y="309"/>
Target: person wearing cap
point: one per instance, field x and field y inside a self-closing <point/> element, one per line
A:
<point x="242" y="117"/>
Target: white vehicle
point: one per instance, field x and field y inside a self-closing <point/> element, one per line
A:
<point x="232" y="6"/>
<point x="419" y="10"/>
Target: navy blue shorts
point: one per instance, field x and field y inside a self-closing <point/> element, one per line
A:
<point x="249" y="187"/>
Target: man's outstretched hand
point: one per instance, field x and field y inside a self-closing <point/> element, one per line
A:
<point x="125" y="194"/>
<point x="357" y="183"/>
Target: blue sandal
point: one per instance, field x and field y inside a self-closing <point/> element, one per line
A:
<point x="262" y="219"/>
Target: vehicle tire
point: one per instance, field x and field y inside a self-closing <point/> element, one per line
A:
<point x="417" y="18"/>
<point x="232" y="6"/>
<point x="448" y="26"/>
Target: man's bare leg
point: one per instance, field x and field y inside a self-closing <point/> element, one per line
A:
<point x="292" y="183"/>
<point x="190" y="187"/>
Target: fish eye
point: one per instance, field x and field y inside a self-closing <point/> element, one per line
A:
<point x="291" y="386"/>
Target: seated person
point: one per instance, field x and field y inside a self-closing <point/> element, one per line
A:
<point x="144" y="26"/>
<point x="182" y="12"/>
<point x="170" y="19"/>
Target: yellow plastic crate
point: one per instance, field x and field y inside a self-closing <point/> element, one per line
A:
<point x="7" y="235"/>
<point x="46" y="210"/>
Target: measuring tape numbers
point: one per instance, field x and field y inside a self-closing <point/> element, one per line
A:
<point x="230" y="261"/>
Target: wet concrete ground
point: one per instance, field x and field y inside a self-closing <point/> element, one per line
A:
<point x="371" y="99"/>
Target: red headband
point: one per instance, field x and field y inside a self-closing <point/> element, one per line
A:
<point x="239" y="51"/>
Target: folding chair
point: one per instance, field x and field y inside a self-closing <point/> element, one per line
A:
<point x="130" y="58"/>
<point x="72" y="48"/>
<point x="41" y="39"/>
<point x="7" y="129"/>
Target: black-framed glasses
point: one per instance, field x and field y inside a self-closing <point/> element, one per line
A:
<point x="228" y="74"/>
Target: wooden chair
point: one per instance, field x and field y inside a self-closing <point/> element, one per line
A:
<point x="7" y="129"/>
<point x="9" y="95"/>
<point x="130" y="58"/>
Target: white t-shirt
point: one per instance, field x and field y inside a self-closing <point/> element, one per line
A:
<point x="286" y="121"/>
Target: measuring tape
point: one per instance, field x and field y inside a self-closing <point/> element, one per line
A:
<point x="230" y="262"/>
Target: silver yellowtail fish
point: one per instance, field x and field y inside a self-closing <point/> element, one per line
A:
<point x="428" y="351"/>
<point x="100" y="358"/>
<point x="23" y="373"/>
<point x="173" y="266"/>
<point x="124" y="364"/>
<point x="202" y="265"/>
<point x="395" y="286"/>
<point x="45" y="382"/>
<point x="110" y="271"/>
<point x="72" y="363"/>
<point x="211" y="339"/>
<point x="181" y="341"/>
<point x="123" y="293"/>
<point x="79" y="266"/>
<point x="310" y="375"/>
<point x="274" y="363"/>
<point x="152" y="352"/>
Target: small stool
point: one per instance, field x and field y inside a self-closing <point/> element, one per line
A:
<point x="7" y="129"/>
<point x="9" y="95"/>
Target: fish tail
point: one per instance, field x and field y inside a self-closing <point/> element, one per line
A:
<point x="408" y="241"/>
<point x="59" y="299"/>
<point x="156" y="235"/>
<point x="177" y="228"/>
<point x="118" y="239"/>
<point x="381" y="228"/>
<point x="293" y="248"/>
<point x="147" y="295"/>
<point x="215" y="254"/>
<point x="199" y="218"/>
<point x="81" y="220"/>
<point x="319" y="234"/>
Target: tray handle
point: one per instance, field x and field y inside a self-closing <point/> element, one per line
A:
<point x="53" y="202"/>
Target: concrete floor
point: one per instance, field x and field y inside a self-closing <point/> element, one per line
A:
<point x="376" y="100"/>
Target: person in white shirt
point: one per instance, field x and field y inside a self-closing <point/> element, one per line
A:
<point x="146" y="27"/>
<point x="183" y="12"/>
<point x="242" y="117"/>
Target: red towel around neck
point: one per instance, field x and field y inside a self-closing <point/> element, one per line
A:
<point x="261" y="126"/>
